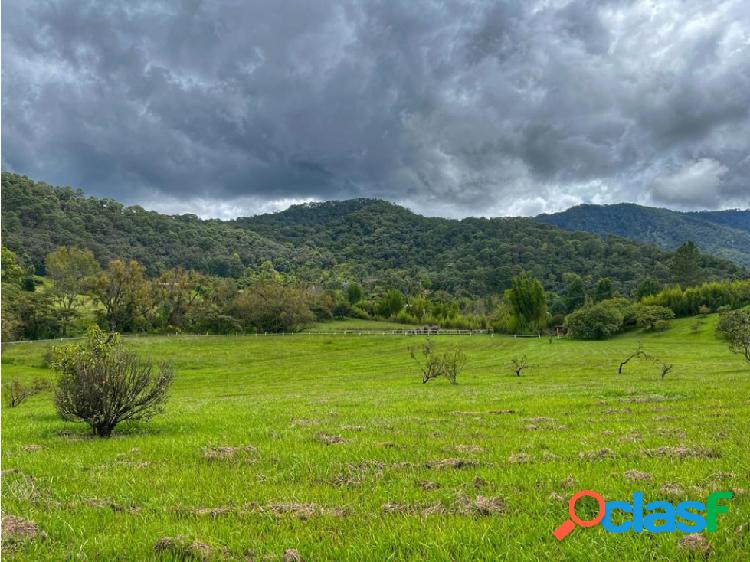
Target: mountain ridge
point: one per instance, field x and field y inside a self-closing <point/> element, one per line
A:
<point x="668" y="229"/>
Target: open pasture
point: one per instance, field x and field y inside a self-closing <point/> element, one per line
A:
<point x="332" y="446"/>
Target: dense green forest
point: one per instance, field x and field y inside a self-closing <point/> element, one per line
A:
<point x="725" y="234"/>
<point x="375" y="243"/>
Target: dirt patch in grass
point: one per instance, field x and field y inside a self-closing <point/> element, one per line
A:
<point x="182" y="547"/>
<point x="223" y="453"/>
<point x="481" y="505"/>
<point x="356" y="474"/>
<point x="635" y="475"/>
<point x="696" y="543"/>
<point x="673" y="490"/>
<point x="17" y="530"/>
<point x="292" y="555"/>
<point x="682" y="453"/>
<point x="303" y="510"/>
<point x="452" y="463"/>
<point x="466" y="449"/>
<point x="329" y="439"/>
<point x="304" y="423"/>
<point x="32" y="448"/>
<point x="597" y="455"/>
<point x="611" y="411"/>
<point x="520" y="458"/>
<point x="105" y="503"/>
<point x="428" y="486"/>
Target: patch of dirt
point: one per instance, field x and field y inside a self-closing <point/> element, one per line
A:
<point x="611" y="411"/>
<point x="682" y="453"/>
<point x="17" y="530"/>
<point x="466" y="449"/>
<point x="501" y="412"/>
<point x="671" y="432"/>
<point x="105" y="503"/>
<point x="292" y="555"/>
<point x="479" y="482"/>
<point x="227" y="453"/>
<point x="539" y="420"/>
<point x="303" y="510"/>
<point x="548" y="456"/>
<point x="304" y="423"/>
<point x="429" y="486"/>
<point x="556" y="497"/>
<point x="353" y="427"/>
<point x="328" y="439"/>
<point x="487" y="506"/>
<point x="632" y="437"/>
<point x="520" y="458"/>
<point x="452" y="463"/>
<point x="598" y="455"/>
<point x="569" y="482"/>
<point x="635" y="475"/>
<point x="672" y="489"/>
<point x="32" y="448"/>
<point x="696" y="543"/>
<point x="183" y="548"/>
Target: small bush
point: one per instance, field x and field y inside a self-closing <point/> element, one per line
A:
<point x="432" y="365"/>
<point x="103" y="384"/>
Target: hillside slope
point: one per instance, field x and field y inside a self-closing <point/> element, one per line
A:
<point x="370" y="241"/>
<point x="725" y="234"/>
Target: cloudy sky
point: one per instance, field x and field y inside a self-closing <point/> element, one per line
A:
<point x="226" y="108"/>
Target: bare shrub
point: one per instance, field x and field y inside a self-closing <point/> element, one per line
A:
<point x="432" y="364"/>
<point x="519" y="364"/>
<point x="17" y="392"/>
<point x="103" y="384"/>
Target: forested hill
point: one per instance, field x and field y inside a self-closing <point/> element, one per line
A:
<point x="370" y="241"/>
<point x="725" y="234"/>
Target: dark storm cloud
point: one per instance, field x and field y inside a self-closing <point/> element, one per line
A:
<point x="518" y="107"/>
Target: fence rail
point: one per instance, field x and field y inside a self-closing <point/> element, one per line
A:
<point x="350" y="332"/>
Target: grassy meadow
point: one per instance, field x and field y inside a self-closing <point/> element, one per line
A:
<point x="332" y="446"/>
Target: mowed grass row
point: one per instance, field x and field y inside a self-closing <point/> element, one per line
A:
<point x="346" y="445"/>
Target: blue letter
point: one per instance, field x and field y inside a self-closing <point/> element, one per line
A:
<point x="714" y="508"/>
<point x="638" y="512"/>
<point x="697" y="520"/>
<point x="607" y="521"/>
<point x="668" y="517"/>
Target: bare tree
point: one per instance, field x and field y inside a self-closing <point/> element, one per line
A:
<point x="518" y="365"/>
<point x="17" y="392"/>
<point x="665" y="369"/>
<point x="638" y="353"/>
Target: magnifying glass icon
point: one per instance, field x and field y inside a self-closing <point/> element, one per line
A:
<point x="563" y="530"/>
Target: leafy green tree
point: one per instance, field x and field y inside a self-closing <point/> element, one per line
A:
<point x="176" y="292"/>
<point x="735" y="327"/>
<point x="12" y="272"/>
<point x="574" y="295"/>
<point x="71" y="271"/>
<point x="653" y="318"/>
<point x="648" y="287"/>
<point x="125" y="294"/>
<point x="272" y="307"/>
<point x="354" y="293"/>
<point x="391" y="303"/>
<point x="603" y="290"/>
<point x="594" y="322"/>
<point x="686" y="265"/>
<point x="527" y="303"/>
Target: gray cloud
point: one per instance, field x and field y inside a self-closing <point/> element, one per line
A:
<point x="456" y="108"/>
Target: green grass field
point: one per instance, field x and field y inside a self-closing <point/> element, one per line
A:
<point x="353" y="458"/>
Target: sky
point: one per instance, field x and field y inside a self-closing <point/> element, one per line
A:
<point x="231" y="107"/>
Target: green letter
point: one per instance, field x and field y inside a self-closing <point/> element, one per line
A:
<point x="713" y="508"/>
